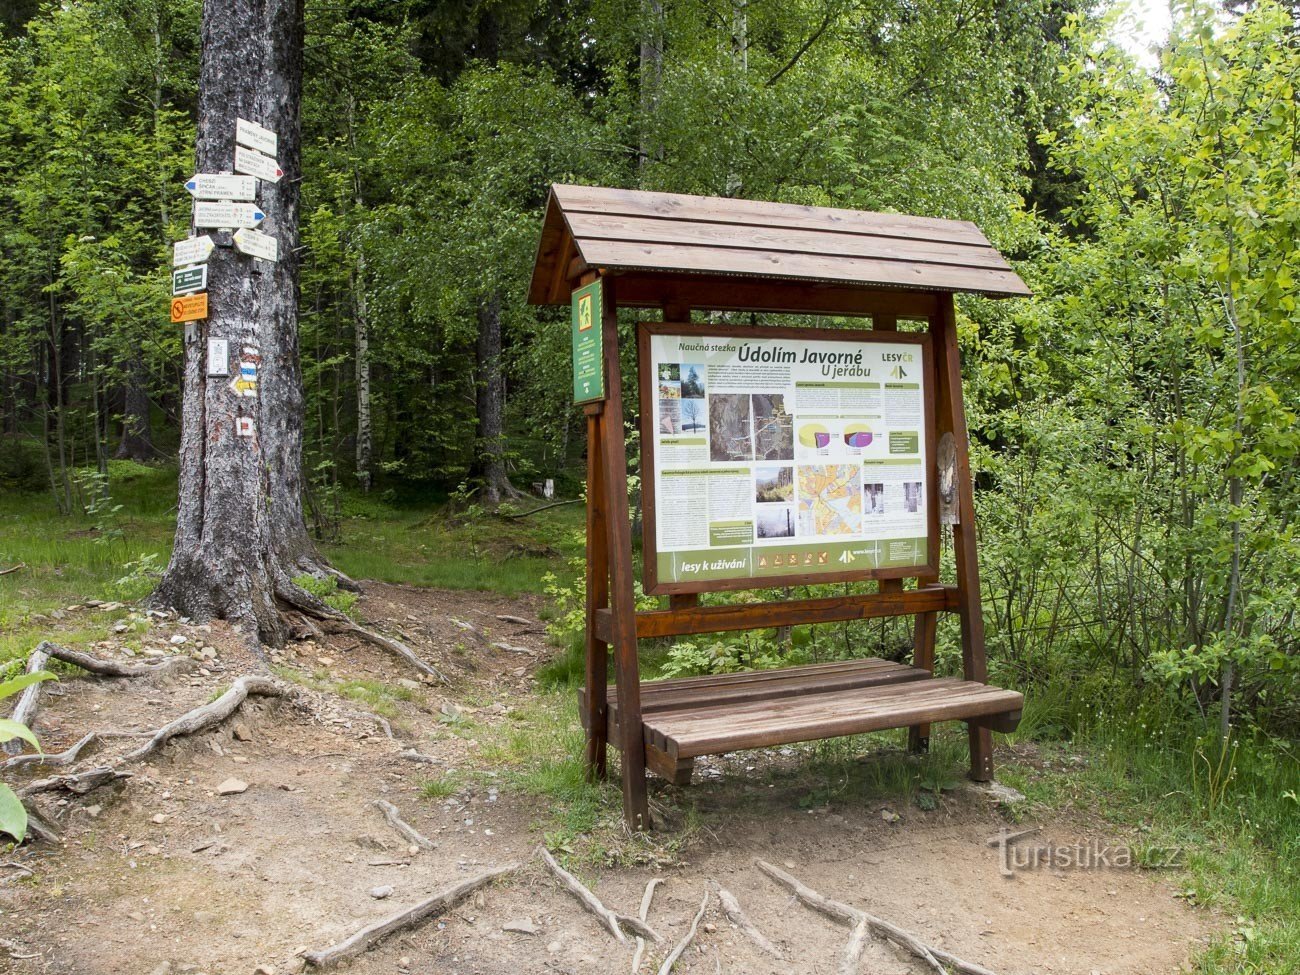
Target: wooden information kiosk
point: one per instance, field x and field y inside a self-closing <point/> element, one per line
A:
<point x="773" y="456"/>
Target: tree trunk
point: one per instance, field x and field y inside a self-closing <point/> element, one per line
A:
<point x="137" y="426"/>
<point x="652" y="72"/>
<point x="240" y="534"/>
<point x="361" y="324"/>
<point x="490" y="402"/>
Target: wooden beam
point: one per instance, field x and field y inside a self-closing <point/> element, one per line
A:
<point x="722" y="293"/>
<point x="762" y="616"/>
<point x="622" y="632"/>
<point x="595" y="718"/>
<point x="969" y="607"/>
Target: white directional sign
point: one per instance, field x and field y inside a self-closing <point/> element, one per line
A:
<point x="221" y="186"/>
<point x="192" y="250"/>
<point x="226" y="214"/>
<point x="255" y="137"/>
<point x="253" y="244"/>
<point x="256" y="164"/>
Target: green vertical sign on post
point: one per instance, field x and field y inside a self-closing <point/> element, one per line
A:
<point x="588" y="351"/>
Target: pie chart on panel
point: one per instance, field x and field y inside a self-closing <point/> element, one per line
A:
<point x="857" y="435"/>
<point x="814" y="435"/>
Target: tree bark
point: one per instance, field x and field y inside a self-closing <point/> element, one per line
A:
<point x="652" y="72"/>
<point x="490" y="402"/>
<point x="240" y="534"/>
<point x="361" y="325"/>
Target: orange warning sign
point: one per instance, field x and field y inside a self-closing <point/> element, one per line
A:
<point x="190" y="308"/>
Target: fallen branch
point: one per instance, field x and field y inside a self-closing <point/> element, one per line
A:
<point x="394" y="817"/>
<point x="507" y="618"/>
<point x="207" y="715"/>
<point x="731" y="908"/>
<point x="367" y="937"/>
<point x="533" y="511"/>
<point x="592" y="903"/>
<point x="513" y="648"/>
<point x="30" y="699"/>
<point x="78" y="784"/>
<point x="13" y="568"/>
<point x="115" y="668"/>
<point x="682" y="945"/>
<point x="644" y="915"/>
<point x="936" y="958"/>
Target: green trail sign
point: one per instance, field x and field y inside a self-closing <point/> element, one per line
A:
<point x="588" y="351"/>
<point x="188" y="280"/>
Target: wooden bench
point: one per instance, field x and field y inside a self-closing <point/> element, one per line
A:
<point x="685" y="718"/>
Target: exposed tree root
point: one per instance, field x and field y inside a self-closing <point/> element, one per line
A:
<point x="37" y="827"/>
<point x="592" y="903"/>
<point x="13" y="568"/>
<point x="114" y="668"/>
<point x="685" y="943"/>
<point x="644" y="915"/>
<point x="731" y="908"/>
<point x="469" y="628"/>
<point x="333" y="622"/>
<point x="30" y="699"/>
<point x="207" y="715"/>
<point x="394" y="818"/>
<point x="408" y="918"/>
<point x="58" y="759"/>
<point x="78" y="784"/>
<point x="861" y="922"/>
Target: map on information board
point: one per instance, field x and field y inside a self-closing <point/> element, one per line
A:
<point x="777" y="453"/>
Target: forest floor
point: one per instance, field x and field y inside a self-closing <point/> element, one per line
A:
<point x="162" y="874"/>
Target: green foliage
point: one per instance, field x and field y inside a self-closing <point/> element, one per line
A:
<point x="13" y="817"/>
<point x="327" y="590"/>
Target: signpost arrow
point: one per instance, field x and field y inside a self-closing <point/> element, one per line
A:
<point x="190" y="279"/>
<point x="256" y="164"/>
<point x="192" y="250"/>
<point x="220" y="186"/>
<point x="254" y="244"/>
<point x="255" y="136"/>
<point x="190" y="308"/>
<point x="226" y="214"/>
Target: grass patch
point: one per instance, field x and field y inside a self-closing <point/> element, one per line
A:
<point x="539" y="750"/>
<point x="441" y="787"/>
<point x="437" y="548"/>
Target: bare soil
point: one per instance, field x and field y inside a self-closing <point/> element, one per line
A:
<point x="161" y="875"/>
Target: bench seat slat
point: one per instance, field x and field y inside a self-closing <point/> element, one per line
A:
<point x="690" y="732"/>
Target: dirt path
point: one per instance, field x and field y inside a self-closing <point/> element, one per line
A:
<point x="162" y="874"/>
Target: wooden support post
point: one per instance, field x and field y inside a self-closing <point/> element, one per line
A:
<point x="627" y="674"/>
<point x="969" y="607"/>
<point x="918" y="736"/>
<point x="597" y="650"/>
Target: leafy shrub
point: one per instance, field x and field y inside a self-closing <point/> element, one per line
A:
<point x="327" y="591"/>
<point x="13" y="817"/>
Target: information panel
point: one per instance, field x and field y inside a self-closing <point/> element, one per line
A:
<point x="778" y="454"/>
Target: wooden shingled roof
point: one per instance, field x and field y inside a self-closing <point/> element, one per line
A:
<point x="630" y="230"/>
